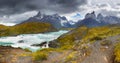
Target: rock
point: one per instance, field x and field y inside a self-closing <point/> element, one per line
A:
<point x="21" y="41"/>
<point x="90" y="15"/>
<point x="54" y="44"/>
<point x="41" y="44"/>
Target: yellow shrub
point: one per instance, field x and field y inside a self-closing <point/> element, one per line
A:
<point x="26" y="28"/>
<point x="39" y="56"/>
<point x="117" y="52"/>
<point x="71" y="56"/>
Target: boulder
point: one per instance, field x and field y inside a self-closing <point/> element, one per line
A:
<point x="21" y="41"/>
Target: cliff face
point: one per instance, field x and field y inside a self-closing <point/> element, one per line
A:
<point x="26" y="28"/>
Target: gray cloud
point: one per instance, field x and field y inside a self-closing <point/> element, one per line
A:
<point x="59" y="6"/>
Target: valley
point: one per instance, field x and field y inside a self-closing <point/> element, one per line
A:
<point x="53" y="39"/>
<point x="80" y="45"/>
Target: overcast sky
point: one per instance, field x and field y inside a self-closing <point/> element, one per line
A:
<point x="11" y="11"/>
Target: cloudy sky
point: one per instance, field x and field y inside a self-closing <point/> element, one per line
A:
<point x="14" y="11"/>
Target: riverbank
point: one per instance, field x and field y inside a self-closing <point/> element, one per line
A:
<point x="14" y="55"/>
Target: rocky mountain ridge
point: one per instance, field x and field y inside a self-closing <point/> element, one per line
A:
<point x="93" y="20"/>
<point x="56" y="20"/>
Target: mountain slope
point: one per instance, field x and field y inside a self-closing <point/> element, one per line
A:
<point x="26" y="28"/>
<point x="80" y="45"/>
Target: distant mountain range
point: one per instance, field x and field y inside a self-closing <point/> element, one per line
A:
<point x="56" y="20"/>
<point x="90" y="20"/>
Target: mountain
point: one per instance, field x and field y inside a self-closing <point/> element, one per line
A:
<point x="90" y="15"/>
<point x="91" y="20"/>
<point x="108" y="19"/>
<point x="56" y="20"/>
<point x="88" y="22"/>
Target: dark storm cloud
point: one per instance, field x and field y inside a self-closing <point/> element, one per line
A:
<point x="19" y="6"/>
<point x="67" y="5"/>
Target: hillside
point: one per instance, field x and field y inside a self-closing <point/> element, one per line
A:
<point x="26" y="28"/>
<point x="86" y="45"/>
<point x="81" y="45"/>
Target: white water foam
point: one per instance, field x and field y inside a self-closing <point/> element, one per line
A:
<point x="30" y="39"/>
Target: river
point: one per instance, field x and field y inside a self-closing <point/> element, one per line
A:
<point x="29" y="39"/>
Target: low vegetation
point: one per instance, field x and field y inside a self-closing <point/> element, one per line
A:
<point x="27" y="50"/>
<point x="41" y="54"/>
<point x="78" y="38"/>
<point x="87" y="35"/>
<point x="105" y="43"/>
<point x="70" y="41"/>
<point x="70" y="38"/>
<point x="117" y="53"/>
<point x="26" y="28"/>
<point x="71" y="57"/>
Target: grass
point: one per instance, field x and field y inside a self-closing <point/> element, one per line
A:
<point x="39" y="56"/>
<point x="27" y="50"/>
<point x="71" y="56"/>
<point x="69" y="38"/>
<point x="87" y="35"/>
<point x="78" y="37"/>
<point x="26" y="28"/>
<point x="1" y="55"/>
<point x="117" y="53"/>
